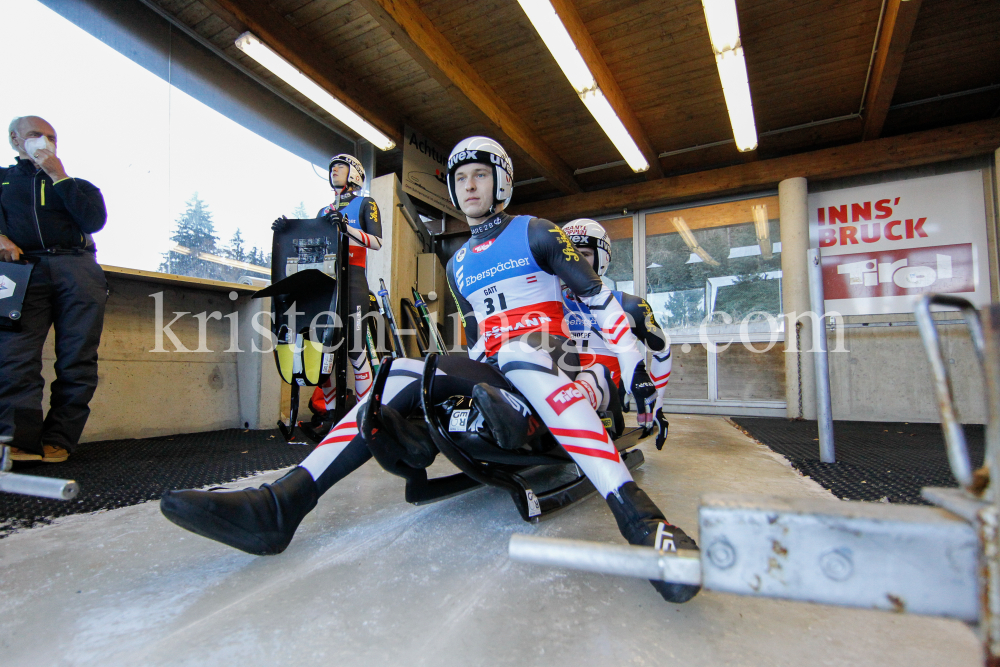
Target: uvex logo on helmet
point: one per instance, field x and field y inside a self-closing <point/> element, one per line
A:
<point x="464" y="156"/>
<point x="483" y="157"/>
<point x="565" y="396"/>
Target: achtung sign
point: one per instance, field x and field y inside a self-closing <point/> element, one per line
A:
<point x="884" y="245"/>
<point x="424" y="169"/>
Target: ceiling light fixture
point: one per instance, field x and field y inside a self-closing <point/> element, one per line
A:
<point x="724" y="31"/>
<point x="552" y="31"/>
<point x="251" y="45"/>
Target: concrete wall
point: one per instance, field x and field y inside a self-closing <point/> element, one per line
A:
<point x="143" y="393"/>
<point x="885" y="375"/>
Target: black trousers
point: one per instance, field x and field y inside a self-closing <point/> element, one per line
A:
<point x="70" y="292"/>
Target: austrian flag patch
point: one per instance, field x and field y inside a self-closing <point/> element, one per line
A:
<point x="565" y="396"/>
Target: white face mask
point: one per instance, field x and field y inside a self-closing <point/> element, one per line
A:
<point x="36" y="143"/>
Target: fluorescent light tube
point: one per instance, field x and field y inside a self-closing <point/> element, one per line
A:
<point x="689" y="240"/>
<point x="559" y="43"/>
<point x="760" y="221"/>
<point x="550" y="28"/>
<point x="251" y="45"/>
<point x="724" y="32"/>
<point x="763" y="228"/>
<point x="612" y="125"/>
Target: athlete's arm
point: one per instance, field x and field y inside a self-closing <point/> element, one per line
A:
<point x="643" y="322"/>
<point x="474" y="345"/>
<point x="649" y="332"/>
<point x="556" y="254"/>
<point x="370" y="234"/>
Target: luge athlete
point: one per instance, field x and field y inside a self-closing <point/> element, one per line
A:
<point x="506" y="280"/>
<point x="598" y="362"/>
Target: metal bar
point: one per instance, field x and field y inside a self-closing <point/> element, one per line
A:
<point x="954" y="436"/>
<point x="989" y="517"/>
<point x="43" y="487"/>
<point x="955" y="501"/>
<point x="599" y="167"/>
<point x="864" y="325"/>
<point x="947" y="96"/>
<point x="824" y="406"/>
<point x="902" y="558"/>
<point x="624" y="560"/>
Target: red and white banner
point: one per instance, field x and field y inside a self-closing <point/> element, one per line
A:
<point x="885" y="245"/>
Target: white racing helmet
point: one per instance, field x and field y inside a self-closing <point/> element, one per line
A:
<point x="587" y="233"/>
<point x="485" y="151"/>
<point x="355" y="172"/>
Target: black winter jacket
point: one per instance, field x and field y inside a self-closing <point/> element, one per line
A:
<point x="38" y="215"/>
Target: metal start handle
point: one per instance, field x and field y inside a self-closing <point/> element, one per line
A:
<point x="958" y="451"/>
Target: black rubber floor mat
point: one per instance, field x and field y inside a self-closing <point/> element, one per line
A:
<point x="887" y="461"/>
<point x="119" y="473"/>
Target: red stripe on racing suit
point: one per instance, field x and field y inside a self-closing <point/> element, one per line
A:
<point x="546" y="316"/>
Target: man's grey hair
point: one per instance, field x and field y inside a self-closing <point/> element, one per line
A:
<point x="14" y="128"/>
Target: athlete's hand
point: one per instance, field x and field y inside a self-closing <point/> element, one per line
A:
<point x="280" y="225"/>
<point x="335" y="218"/>
<point x="663" y="425"/>
<point x="644" y="393"/>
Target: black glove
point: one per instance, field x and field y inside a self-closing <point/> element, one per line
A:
<point x="664" y="425"/>
<point x="335" y="218"/>
<point x="644" y="393"/>
<point x="280" y="225"/>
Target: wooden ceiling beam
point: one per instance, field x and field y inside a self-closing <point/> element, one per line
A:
<point x="414" y="32"/>
<point x="893" y="40"/>
<point x="907" y="150"/>
<point x="275" y="31"/>
<point x="578" y="32"/>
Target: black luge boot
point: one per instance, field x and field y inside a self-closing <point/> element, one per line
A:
<point x="259" y="521"/>
<point x="639" y="521"/>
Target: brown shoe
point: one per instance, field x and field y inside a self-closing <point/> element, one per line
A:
<point x="18" y="454"/>
<point x="54" y="454"/>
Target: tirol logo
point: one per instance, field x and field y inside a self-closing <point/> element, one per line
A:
<point x="7" y="287"/>
<point x="483" y="246"/>
<point x="565" y="396"/>
<point x="900" y="272"/>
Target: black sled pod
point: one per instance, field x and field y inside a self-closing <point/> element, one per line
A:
<point x="538" y="473"/>
<point x="308" y="294"/>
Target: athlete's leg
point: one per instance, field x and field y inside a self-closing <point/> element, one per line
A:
<point x="324" y="396"/>
<point x="262" y="521"/>
<point x="595" y="386"/>
<point x="565" y="410"/>
<point x="575" y="425"/>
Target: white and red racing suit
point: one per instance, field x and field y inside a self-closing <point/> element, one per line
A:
<point x="364" y="230"/>
<point x="594" y="351"/>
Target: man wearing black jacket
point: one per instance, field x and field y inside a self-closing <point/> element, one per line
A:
<point x="47" y="218"/>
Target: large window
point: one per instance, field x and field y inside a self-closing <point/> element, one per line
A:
<point x="720" y="263"/>
<point x="713" y="278"/>
<point x="187" y="189"/>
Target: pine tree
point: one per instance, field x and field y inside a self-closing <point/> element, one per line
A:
<point x="236" y="249"/>
<point x="195" y="231"/>
<point x="300" y="212"/>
